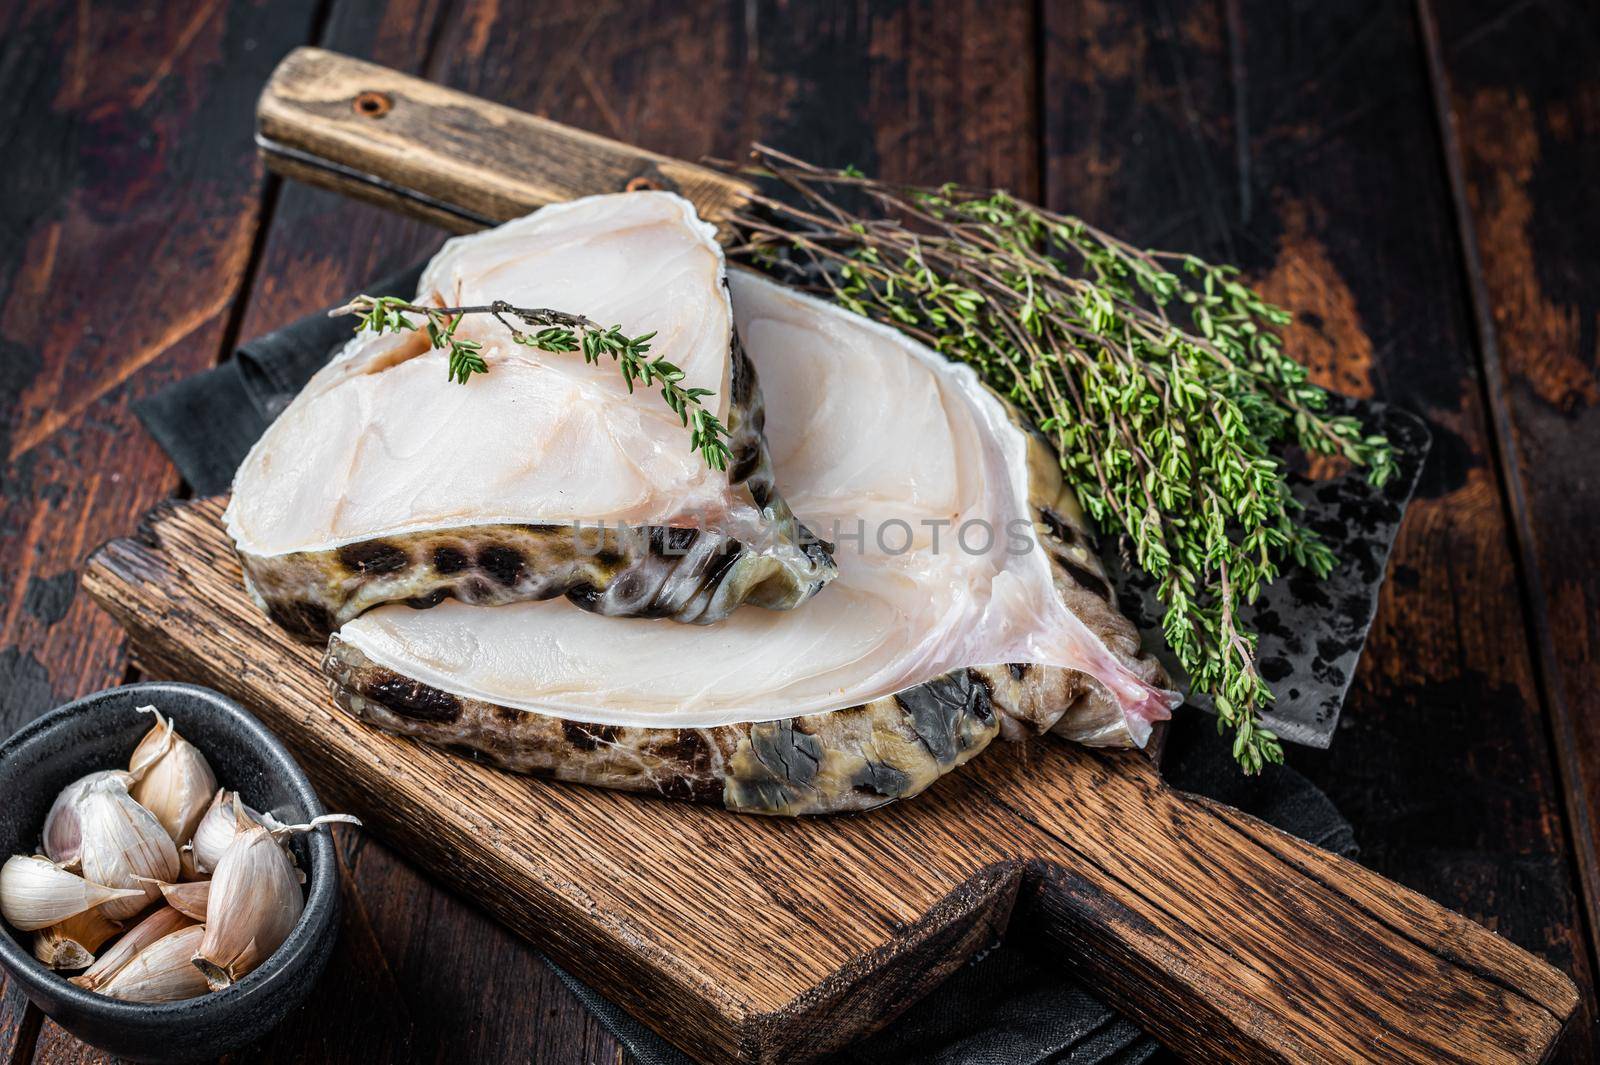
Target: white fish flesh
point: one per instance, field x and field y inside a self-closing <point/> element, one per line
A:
<point x="385" y="482"/>
<point x="968" y="605"/>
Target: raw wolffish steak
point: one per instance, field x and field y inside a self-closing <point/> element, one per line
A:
<point x="912" y="661"/>
<point x="385" y="482"/>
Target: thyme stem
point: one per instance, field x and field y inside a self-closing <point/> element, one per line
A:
<point x="1160" y="379"/>
<point x="553" y="331"/>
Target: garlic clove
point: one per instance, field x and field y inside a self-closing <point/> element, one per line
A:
<point x="35" y="893"/>
<point x="176" y="782"/>
<point x="158" y="925"/>
<point x="218" y="827"/>
<point x="255" y="898"/>
<point x="153" y="744"/>
<point x="122" y="842"/>
<point x="71" y="944"/>
<point x="162" y="971"/>
<point x="254" y="905"/>
<point x="61" y="830"/>
<point x="61" y="954"/>
<point x="189" y="898"/>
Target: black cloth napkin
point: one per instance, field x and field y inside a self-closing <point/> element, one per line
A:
<point x="1010" y="1006"/>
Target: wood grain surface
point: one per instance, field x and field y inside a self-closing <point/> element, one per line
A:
<point x="1448" y="768"/>
<point x="1520" y="100"/>
<point x="1304" y="146"/>
<point x="125" y="159"/>
<point x="771" y="940"/>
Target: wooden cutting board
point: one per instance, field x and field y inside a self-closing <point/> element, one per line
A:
<point x="744" y="939"/>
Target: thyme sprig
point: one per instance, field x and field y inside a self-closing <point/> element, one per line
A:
<point x="1161" y="380"/>
<point x="556" y="332"/>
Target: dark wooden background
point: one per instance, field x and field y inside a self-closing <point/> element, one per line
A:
<point x="1418" y="181"/>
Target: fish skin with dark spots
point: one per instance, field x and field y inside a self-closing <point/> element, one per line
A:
<point x="912" y="662"/>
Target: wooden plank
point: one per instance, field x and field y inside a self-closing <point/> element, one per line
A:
<point x="56" y="1046"/>
<point x="137" y="161"/>
<point x="19" y="1025"/>
<point x="775" y="940"/>
<point x="124" y="156"/>
<point x="1520" y="97"/>
<point x="1256" y="132"/>
<point x="388" y="997"/>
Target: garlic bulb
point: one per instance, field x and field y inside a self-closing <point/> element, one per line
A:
<point x="176" y="781"/>
<point x="162" y="923"/>
<point x="188" y="899"/>
<point x="122" y="842"/>
<point x="162" y="971"/>
<point x="255" y="902"/>
<point x="35" y="894"/>
<point x="61" y="832"/>
<point x="71" y="944"/>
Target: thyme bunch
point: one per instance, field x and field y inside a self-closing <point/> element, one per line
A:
<point x="1161" y="380"/>
<point x="556" y="332"/>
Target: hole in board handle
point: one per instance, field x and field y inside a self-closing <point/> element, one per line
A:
<point x="373" y="104"/>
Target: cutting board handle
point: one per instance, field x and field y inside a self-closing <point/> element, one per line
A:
<point x="454" y="159"/>
<point x="1232" y="940"/>
<point x="1235" y="941"/>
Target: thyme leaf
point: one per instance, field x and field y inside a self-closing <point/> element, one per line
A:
<point x="556" y="332"/>
<point x="1160" y="378"/>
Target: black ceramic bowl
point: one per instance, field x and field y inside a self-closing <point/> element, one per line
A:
<point x="99" y="732"/>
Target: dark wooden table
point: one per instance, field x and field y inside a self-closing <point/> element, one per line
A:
<point x="1418" y="182"/>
